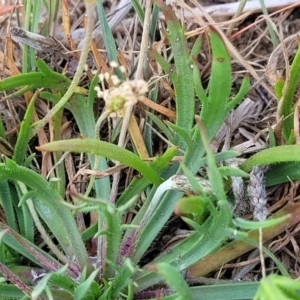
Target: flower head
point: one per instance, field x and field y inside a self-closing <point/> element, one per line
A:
<point x="122" y="94"/>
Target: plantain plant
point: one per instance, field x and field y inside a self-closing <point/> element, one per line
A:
<point x="61" y="267"/>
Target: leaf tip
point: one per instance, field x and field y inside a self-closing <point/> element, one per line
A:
<point x="39" y="148"/>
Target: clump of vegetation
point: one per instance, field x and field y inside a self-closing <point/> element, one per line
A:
<point x="62" y="238"/>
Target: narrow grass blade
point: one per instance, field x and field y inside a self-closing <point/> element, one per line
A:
<point x="139" y="10"/>
<point x="163" y="128"/>
<point x="155" y="14"/>
<point x="108" y="38"/>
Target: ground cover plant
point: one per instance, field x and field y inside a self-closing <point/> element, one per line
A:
<point x="127" y="176"/>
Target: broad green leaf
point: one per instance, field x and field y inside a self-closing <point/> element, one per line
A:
<point x="96" y="147"/>
<point x="282" y="172"/>
<point x="273" y="155"/>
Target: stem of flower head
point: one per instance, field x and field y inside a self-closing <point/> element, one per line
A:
<point x="89" y="4"/>
<point x="138" y="75"/>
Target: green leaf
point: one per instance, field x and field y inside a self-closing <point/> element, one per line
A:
<point x="186" y="136"/>
<point x="163" y="128"/>
<point x="96" y="147"/>
<point x="229" y="171"/>
<point x="24" y="134"/>
<point x="173" y="279"/>
<point x="193" y="205"/>
<point x="9" y="291"/>
<point x="183" y="74"/>
<point x="231" y="291"/>
<point x="137" y="185"/>
<point x="154" y="19"/>
<point x="271" y="156"/>
<point x="113" y="240"/>
<point x="42" y="285"/>
<point x="139" y="10"/>
<point x="219" y="86"/>
<point x="6" y="201"/>
<point x="193" y="224"/>
<point x="27" y="249"/>
<point x="278" y="88"/>
<point x="244" y="88"/>
<point x="278" y="287"/>
<point x="272" y="138"/>
<point x="84" y="287"/>
<point x="212" y="171"/>
<point x="165" y="65"/>
<point x="196" y="47"/>
<point x="222" y="156"/>
<point x="57" y="217"/>
<point x="282" y="172"/>
<point x="286" y="107"/>
<point x="25" y="220"/>
<point x="108" y="38"/>
<point x="45" y="79"/>
<point x="220" y="69"/>
<point x="245" y="224"/>
<point x="200" y="92"/>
